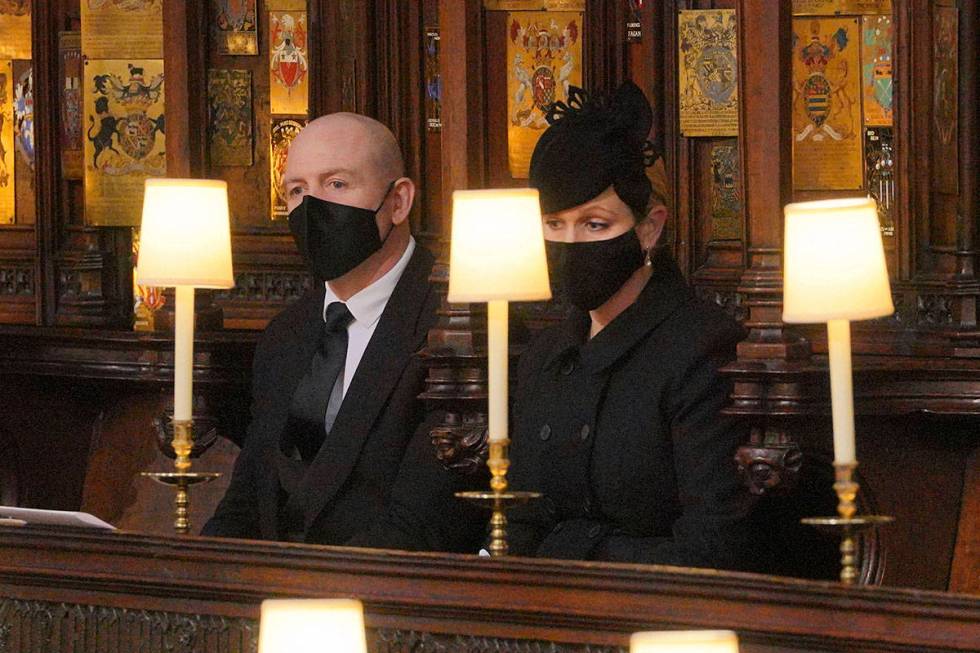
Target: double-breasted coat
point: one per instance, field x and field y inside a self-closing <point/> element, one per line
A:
<point x="376" y="480"/>
<point x="624" y="436"/>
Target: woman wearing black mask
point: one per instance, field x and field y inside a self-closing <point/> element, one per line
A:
<point x="618" y="417"/>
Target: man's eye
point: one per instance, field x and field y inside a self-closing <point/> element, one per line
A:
<point x="295" y="190"/>
<point x="337" y="184"/>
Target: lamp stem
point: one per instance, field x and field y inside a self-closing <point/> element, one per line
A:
<point x="183" y="353"/>
<point x="497" y="360"/>
<point x="841" y="390"/>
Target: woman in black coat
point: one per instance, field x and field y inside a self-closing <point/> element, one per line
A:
<point x="617" y="420"/>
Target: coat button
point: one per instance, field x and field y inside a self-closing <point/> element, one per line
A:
<point x="594" y="531"/>
<point x="545" y="432"/>
<point x="568" y="367"/>
<point x="584" y="433"/>
<point x="558" y="527"/>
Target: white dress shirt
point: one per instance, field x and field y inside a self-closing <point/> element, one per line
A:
<point x="366" y="306"/>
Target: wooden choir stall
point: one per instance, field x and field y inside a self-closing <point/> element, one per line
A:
<point x="97" y="95"/>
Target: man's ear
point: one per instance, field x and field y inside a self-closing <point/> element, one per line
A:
<point x="652" y="227"/>
<point x="403" y="194"/>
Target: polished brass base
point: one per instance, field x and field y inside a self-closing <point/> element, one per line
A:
<point x="182" y="481"/>
<point x="498" y="499"/>
<point x="847" y="525"/>
<point x="499" y="503"/>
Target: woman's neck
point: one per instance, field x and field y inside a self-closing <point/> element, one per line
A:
<point x="620" y="301"/>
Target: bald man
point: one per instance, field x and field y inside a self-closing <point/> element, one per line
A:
<point x="337" y="452"/>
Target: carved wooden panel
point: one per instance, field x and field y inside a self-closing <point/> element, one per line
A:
<point x="44" y="627"/>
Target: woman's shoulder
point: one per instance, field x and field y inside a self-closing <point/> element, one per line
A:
<point x="704" y="327"/>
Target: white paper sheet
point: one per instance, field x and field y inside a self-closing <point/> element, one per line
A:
<point x="55" y="518"/>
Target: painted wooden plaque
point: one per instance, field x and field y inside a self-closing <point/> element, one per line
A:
<point x="726" y="205"/>
<point x="708" y="80"/>
<point x="124" y="140"/>
<point x="837" y="7"/>
<point x="230" y="117"/>
<point x="283" y="132"/>
<point x="235" y="26"/>
<point x="7" y="176"/>
<point x="288" y="63"/>
<point x="534" y="5"/>
<point x="433" y="81"/>
<point x="116" y="29"/>
<point x="827" y="136"/>
<point x="876" y="70"/>
<point x="15" y="29"/>
<point x="544" y="58"/>
<point x="70" y="49"/>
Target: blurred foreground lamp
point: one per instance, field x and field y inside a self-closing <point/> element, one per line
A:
<point x="185" y="243"/>
<point x="835" y="272"/>
<point x="312" y="626"/>
<point x="684" y="641"/>
<point x="497" y="256"/>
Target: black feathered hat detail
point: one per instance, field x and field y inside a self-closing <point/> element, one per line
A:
<point x="591" y="144"/>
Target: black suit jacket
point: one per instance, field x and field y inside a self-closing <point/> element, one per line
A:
<point x="376" y="480"/>
<point x="624" y="436"/>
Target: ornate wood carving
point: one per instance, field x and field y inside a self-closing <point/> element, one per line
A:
<point x="93" y="282"/>
<point x="459" y="602"/>
<point x="769" y="462"/>
<point x="16" y="281"/>
<point x="387" y="640"/>
<point x="42" y="627"/>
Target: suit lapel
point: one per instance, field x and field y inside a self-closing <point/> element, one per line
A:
<point x="294" y="359"/>
<point x="398" y="335"/>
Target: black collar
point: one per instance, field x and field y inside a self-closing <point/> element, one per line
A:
<point x="663" y="293"/>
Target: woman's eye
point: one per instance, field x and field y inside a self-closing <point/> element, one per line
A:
<point x="553" y="224"/>
<point x="595" y="225"/>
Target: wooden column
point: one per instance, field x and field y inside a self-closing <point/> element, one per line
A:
<point x="765" y="123"/>
<point x="455" y="354"/>
<point x="463" y="120"/>
<point x="47" y="162"/>
<point x="186" y="69"/>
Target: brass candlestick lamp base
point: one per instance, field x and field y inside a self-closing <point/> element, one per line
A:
<point x="847" y="524"/>
<point x="183" y="478"/>
<point x="498" y="499"/>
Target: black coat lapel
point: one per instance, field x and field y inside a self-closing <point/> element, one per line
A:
<point x="399" y="334"/>
<point x="293" y="359"/>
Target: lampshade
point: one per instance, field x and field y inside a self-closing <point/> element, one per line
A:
<point x="685" y="641"/>
<point x="184" y="237"/>
<point x="497" y="248"/>
<point x="312" y="626"/>
<point x="834" y="266"/>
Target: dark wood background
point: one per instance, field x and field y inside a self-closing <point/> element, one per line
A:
<point x="81" y="389"/>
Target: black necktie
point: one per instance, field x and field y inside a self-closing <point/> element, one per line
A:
<point x="309" y="405"/>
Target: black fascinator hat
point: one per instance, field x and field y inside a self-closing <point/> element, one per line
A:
<point x="592" y="144"/>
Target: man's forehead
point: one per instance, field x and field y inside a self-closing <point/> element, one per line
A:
<point x="318" y="150"/>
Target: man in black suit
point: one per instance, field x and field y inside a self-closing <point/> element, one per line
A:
<point x="337" y="452"/>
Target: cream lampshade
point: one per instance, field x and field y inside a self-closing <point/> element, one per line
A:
<point x="834" y="264"/>
<point x="834" y="271"/>
<point x="312" y="626"/>
<point x="185" y="242"/>
<point x="685" y="641"/>
<point x="497" y="249"/>
<point x="184" y="237"/>
<point x="497" y="255"/>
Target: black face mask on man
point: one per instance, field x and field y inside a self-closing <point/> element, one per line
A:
<point x="335" y="238"/>
<point x="589" y="273"/>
